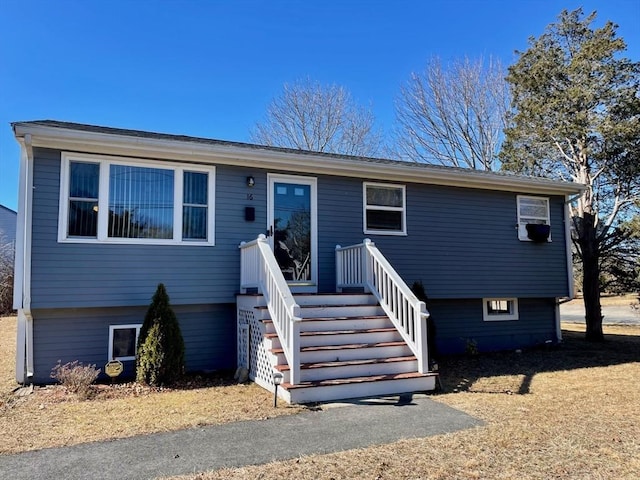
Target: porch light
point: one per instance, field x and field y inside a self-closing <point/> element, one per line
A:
<point x="277" y="380"/>
<point x="251" y="181"/>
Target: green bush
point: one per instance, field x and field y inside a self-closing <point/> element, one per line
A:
<point x="160" y="356"/>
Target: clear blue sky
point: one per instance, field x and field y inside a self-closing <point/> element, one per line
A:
<point x="209" y="68"/>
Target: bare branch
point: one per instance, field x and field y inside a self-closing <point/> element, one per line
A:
<point x="311" y="116"/>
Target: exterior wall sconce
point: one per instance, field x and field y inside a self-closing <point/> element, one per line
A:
<point x="251" y="181"/>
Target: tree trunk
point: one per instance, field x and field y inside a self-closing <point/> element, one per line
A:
<point x="591" y="280"/>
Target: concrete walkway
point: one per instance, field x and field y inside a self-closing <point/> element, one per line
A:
<point x="335" y="428"/>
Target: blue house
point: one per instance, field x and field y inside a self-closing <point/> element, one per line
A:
<point x="7" y="226"/>
<point x="294" y="265"/>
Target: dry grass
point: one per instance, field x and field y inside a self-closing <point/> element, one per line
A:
<point x="50" y="417"/>
<point x="564" y="413"/>
<point x="570" y="412"/>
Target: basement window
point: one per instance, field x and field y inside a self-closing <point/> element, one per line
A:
<point x="496" y="309"/>
<point x="123" y="341"/>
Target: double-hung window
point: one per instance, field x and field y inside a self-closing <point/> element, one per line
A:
<point x="384" y="209"/>
<point x="531" y="211"/>
<point x="107" y="199"/>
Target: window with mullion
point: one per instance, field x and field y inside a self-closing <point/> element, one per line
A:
<point x="135" y="201"/>
<point x="84" y="179"/>
<point x="384" y="207"/>
<point x="195" y="205"/>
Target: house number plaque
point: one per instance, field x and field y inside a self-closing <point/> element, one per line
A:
<point x="113" y="368"/>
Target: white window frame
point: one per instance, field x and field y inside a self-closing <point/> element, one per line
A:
<point x="103" y="199"/>
<point x="496" y="317"/>
<point x="522" y="229"/>
<point x="366" y="207"/>
<point x="112" y="328"/>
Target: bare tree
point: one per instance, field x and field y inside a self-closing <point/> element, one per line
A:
<point x="453" y="114"/>
<point x="6" y="276"/>
<point x="319" y="118"/>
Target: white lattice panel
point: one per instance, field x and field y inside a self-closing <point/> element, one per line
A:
<point x="260" y="368"/>
<point x="252" y="352"/>
<point x="243" y="337"/>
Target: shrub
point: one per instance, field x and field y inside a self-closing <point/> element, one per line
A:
<point x="75" y="377"/>
<point x="160" y="355"/>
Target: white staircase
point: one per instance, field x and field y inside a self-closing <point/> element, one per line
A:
<point x="348" y="348"/>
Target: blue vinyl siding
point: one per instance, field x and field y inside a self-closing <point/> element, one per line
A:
<point x="86" y="275"/>
<point x="83" y="334"/>
<point x="459" y="321"/>
<point x="462" y="243"/>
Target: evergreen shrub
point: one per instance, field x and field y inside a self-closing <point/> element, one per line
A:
<point x="160" y="354"/>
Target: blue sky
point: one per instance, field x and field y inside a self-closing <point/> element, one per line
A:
<point x="209" y="68"/>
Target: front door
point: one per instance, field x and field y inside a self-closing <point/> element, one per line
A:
<point x="292" y="228"/>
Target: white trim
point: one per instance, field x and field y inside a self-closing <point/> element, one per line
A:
<point x="522" y="230"/>
<point x="103" y="199"/>
<point x="366" y="207"/>
<point x="567" y="239"/>
<point x="496" y="317"/>
<point x="272" y="178"/>
<point x="192" y="150"/>
<point x="22" y="264"/>
<point x="137" y="326"/>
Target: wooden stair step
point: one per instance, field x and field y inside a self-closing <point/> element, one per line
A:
<point x="357" y="380"/>
<point x="316" y="319"/>
<point x="344" y="347"/>
<point x="338" y="332"/>
<point x="328" y="305"/>
<point x="345" y="363"/>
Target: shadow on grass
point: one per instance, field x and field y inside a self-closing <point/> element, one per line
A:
<point x="462" y="373"/>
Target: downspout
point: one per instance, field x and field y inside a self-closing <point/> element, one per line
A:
<point x="22" y="265"/>
<point x="570" y="281"/>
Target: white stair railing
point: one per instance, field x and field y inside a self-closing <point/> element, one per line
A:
<point x="259" y="269"/>
<point x="363" y="265"/>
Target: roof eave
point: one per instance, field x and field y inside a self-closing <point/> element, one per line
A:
<point x="303" y="162"/>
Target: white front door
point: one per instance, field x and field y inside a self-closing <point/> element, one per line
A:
<point x="292" y="227"/>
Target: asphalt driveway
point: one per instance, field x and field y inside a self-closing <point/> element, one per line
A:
<point x="357" y="425"/>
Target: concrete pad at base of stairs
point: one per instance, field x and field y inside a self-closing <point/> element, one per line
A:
<point x="357" y="424"/>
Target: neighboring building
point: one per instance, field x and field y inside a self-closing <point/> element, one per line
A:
<point x="7" y="225"/>
<point x="110" y="213"/>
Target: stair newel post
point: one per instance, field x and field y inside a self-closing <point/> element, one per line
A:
<point x="421" y="336"/>
<point x="243" y="267"/>
<point x="295" y="347"/>
<point x="339" y="267"/>
<point x="367" y="265"/>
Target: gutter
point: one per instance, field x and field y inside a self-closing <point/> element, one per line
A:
<point x="22" y="267"/>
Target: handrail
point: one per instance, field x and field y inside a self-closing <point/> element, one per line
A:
<point x="259" y="269"/>
<point x="363" y="265"/>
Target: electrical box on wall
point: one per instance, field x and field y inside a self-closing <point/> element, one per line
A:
<point x="249" y="214"/>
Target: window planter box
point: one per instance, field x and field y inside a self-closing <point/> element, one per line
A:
<point x="538" y="232"/>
